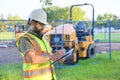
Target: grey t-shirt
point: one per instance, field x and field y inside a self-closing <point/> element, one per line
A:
<point x="25" y="45"/>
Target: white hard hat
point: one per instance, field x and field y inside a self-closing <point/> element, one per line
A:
<point x="38" y="15"/>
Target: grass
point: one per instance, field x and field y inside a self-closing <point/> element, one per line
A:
<point x="114" y="36"/>
<point x="11" y="72"/>
<point x="7" y="36"/>
<point x="98" y="68"/>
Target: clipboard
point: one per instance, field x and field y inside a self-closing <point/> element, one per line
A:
<point x="70" y="52"/>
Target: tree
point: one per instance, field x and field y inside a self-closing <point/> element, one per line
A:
<point x="103" y="19"/>
<point x="46" y="2"/>
<point x="58" y="13"/>
<point x="100" y="21"/>
<point x="107" y="16"/>
<point x="2" y="24"/>
<point x="78" y="14"/>
<point x="15" y="17"/>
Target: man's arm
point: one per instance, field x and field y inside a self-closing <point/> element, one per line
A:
<point x="30" y="56"/>
<point x="35" y="59"/>
<point x="27" y="48"/>
<point x="39" y="59"/>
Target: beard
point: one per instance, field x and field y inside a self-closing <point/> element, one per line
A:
<point x="39" y="32"/>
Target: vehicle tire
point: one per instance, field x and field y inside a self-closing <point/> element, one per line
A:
<point x="91" y="51"/>
<point x="72" y="59"/>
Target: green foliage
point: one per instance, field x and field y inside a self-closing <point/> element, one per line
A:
<point x="78" y="14"/>
<point x="115" y="24"/>
<point x="58" y="13"/>
<point x="103" y="19"/>
<point x="14" y="17"/>
<point x="46" y="2"/>
<point x="4" y="24"/>
<point x="2" y="27"/>
<point x="107" y="17"/>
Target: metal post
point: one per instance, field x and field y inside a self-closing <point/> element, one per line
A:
<point x="93" y="24"/>
<point x="110" y="50"/>
<point x="104" y="33"/>
<point x="62" y="34"/>
<point x="55" y="35"/>
<point x="71" y="14"/>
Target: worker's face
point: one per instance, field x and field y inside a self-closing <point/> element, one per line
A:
<point x="35" y="25"/>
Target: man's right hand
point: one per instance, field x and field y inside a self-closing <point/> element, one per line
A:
<point x="57" y="55"/>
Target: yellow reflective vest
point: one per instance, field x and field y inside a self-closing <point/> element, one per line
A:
<point x="43" y="71"/>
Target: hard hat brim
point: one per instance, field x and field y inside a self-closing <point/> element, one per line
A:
<point x="44" y="22"/>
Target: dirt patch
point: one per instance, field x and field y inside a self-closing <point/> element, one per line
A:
<point x="9" y="55"/>
<point x="104" y="47"/>
<point x="12" y="55"/>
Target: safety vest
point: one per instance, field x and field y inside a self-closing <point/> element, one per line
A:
<point x="37" y="71"/>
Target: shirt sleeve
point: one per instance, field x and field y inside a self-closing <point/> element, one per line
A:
<point x="25" y="45"/>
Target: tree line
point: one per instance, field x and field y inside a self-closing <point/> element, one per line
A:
<point x="59" y="13"/>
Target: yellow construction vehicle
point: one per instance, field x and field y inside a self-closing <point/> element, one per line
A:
<point x="67" y="36"/>
<point x="21" y="29"/>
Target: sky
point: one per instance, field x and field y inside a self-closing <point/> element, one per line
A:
<point x="24" y="7"/>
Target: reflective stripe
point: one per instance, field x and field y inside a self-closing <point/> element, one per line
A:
<point x="41" y="77"/>
<point x="41" y="42"/>
<point x="37" y="46"/>
<point x="41" y="54"/>
<point x="34" y="43"/>
<point x="18" y="47"/>
<point x="34" y="73"/>
<point x="47" y="44"/>
<point x="38" y="71"/>
<point x="29" y="66"/>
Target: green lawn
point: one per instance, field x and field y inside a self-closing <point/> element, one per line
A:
<point x="114" y="36"/>
<point x="98" y="68"/>
<point x="7" y="36"/>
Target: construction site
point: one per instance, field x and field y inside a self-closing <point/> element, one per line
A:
<point x="96" y="47"/>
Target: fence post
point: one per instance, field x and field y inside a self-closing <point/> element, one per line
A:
<point x="110" y="50"/>
<point x="62" y="34"/>
<point x="105" y="32"/>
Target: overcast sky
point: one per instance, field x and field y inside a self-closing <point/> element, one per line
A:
<point x="24" y="7"/>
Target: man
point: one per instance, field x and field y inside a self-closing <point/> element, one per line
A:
<point x="36" y="51"/>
